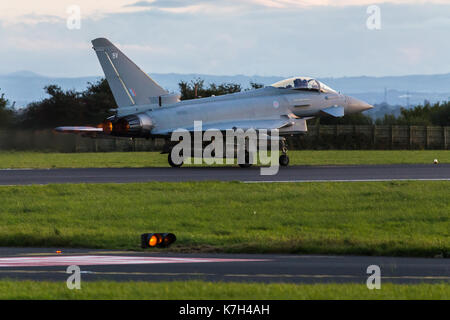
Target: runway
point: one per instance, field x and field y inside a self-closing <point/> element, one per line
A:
<point x="288" y="174"/>
<point x="45" y="264"/>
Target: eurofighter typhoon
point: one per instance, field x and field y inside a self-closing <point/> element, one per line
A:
<point x="147" y="110"/>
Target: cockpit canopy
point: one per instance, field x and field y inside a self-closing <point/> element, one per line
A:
<point x="303" y="83"/>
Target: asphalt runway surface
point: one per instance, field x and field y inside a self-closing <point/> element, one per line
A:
<point x="46" y="264"/>
<point x="288" y="174"/>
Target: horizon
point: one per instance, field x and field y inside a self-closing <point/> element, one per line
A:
<point x="26" y="86"/>
<point x="19" y="72"/>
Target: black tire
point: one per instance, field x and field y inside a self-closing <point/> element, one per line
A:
<point x="284" y="160"/>
<point x="171" y="163"/>
<point x="247" y="163"/>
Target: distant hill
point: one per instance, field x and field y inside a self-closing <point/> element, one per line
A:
<point x="25" y="86"/>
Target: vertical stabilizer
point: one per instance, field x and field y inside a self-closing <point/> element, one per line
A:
<point x="129" y="84"/>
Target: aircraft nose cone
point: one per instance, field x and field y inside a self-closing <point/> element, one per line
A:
<point x="356" y="105"/>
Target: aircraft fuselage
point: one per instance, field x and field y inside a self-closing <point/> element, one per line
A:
<point x="260" y="104"/>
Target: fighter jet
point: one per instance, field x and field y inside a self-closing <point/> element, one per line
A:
<point x="147" y="110"/>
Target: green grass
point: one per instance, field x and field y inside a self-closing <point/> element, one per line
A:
<point x="200" y="290"/>
<point x="376" y="218"/>
<point x="154" y="159"/>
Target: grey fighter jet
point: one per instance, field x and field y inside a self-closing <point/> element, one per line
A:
<point x="146" y="110"/>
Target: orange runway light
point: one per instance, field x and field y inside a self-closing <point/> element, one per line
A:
<point x="160" y="240"/>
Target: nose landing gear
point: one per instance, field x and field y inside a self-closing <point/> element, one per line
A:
<point x="284" y="159"/>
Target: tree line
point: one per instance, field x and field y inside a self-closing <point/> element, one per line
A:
<point x="437" y="114"/>
<point x="96" y="102"/>
<point x="62" y="107"/>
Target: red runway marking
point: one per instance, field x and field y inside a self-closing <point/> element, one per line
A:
<point x="102" y="260"/>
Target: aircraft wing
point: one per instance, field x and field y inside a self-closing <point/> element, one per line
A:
<point x="241" y="124"/>
<point x="285" y="124"/>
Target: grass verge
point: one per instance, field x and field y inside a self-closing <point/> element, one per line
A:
<point x="200" y="290"/>
<point x="370" y="218"/>
<point x="154" y="159"/>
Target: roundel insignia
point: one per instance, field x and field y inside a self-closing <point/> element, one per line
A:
<point x="276" y="104"/>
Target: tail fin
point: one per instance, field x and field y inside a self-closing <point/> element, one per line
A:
<point x="128" y="83"/>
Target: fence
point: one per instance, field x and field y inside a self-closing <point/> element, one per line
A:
<point x="372" y="137"/>
<point x="49" y="141"/>
<point x="318" y="137"/>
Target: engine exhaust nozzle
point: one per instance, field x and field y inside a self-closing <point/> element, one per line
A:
<point x="136" y="125"/>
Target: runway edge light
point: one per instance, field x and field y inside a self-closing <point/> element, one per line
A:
<point x="159" y="240"/>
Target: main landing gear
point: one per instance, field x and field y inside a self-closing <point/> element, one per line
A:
<point x="171" y="163"/>
<point x="247" y="163"/>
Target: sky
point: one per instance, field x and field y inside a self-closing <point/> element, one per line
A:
<point x="319" y="38"/>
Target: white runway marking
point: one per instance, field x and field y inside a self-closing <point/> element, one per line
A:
<point x="344" y="180"/>
<point x="102" y="260"/>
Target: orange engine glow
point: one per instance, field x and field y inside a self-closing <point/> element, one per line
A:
<point x="107" y="126"/>
<point x="122" y="126"/>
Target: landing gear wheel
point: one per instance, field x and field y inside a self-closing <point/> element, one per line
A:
<point x="247" y="163"/>
<point x="171" y="163"/>
<point x="284" y="160"/>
